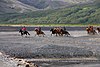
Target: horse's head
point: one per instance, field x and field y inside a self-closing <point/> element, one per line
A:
<point x="61" y="30"/>
<point x="98" y="28"/>
<point x="87" y="29"/>
<point x="36" y="29"/>
<point x="51" y="29"/>
<point x="20" y="31"/>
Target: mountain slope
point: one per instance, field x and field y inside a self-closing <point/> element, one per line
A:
<point x="14" y="12"/>
<point x="81" y="14"/>
<point x="12" y="6"/>
<point x="41" y="4"/>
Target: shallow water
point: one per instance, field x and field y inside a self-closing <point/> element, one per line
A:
<point x="67" y="65"/>
<point x="13" y="43"/>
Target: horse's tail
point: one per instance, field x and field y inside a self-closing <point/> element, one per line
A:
<point x="20" y="30"/>
<point x="68" y="33"/>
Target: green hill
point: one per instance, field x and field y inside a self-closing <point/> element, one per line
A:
<point x="79" y="14"/>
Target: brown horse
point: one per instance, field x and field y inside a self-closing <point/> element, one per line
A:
<point x="91" y="31"/>
<point x="59" y="31"/>
<point x="56" y="31"/>
<point x="39" y="32"/>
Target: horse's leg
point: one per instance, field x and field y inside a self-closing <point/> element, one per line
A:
<point x="67" y="33"/>
<point x="39" y="35"/>
<point x="21" y="34"/>
<point x="43" y="34"/>
<point x="28" y="33"/>
<point x="95" y="32"/>
<point x="61" y="34"/>
<point x="35" y="34"/>
<point x="51" y="34"/>
<point x="25" y="33"/>
<point x="56" y="34"/>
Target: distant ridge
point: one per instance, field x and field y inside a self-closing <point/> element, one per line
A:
<point x="20" y="6"/>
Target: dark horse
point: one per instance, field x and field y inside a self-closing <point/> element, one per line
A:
<point x="23" y="32"/>
<point x="54" y="31"/>
<point x="64" y="32"/>
<point x="59" y="32"/>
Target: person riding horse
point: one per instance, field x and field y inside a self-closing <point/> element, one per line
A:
<point x="39" y="32"/>
<point x="90" y="30"/>
<point x="23" y="31"/>
<point x="24" y="28"/>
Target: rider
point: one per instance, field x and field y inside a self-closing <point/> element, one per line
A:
<point x="91" y="28"/>
<point x="24" y="28"/>
<point x="39" y="28"/>
<point x="64" y="28"/>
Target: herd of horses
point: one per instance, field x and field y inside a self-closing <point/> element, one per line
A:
<point x="91" y="30"/>
<point x="59" y="31"/>
<point x="54" y="31"/>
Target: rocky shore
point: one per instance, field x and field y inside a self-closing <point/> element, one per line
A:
<point x="7" y="61"/>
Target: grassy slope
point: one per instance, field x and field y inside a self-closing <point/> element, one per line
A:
<point x="88" y="14"/>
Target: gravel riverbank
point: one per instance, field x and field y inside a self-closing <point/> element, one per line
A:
<point x="79" y="44"/>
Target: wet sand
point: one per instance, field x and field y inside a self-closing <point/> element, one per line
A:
<point x="32" y="46"/>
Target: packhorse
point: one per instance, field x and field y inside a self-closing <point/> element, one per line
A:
<point x="59" y="31"/>
<point x="54" y="31"/>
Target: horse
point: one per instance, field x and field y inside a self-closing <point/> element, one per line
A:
<point x="55" y="31"/>
<point x="24" y="32"/>
<point x="39" y="32"/>
<point x="59" y="31"/>
<point x="91" y="31"/>
<point x="64" y="32"/>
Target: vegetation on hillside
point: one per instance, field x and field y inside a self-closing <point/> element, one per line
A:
<point x="78" y="14"/>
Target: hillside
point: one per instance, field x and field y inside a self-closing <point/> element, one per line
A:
<point x="14" y="6"/>
<point x="81" y="14"/>
<point x="75" y="14"/>
<point x="21" y="6"/>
